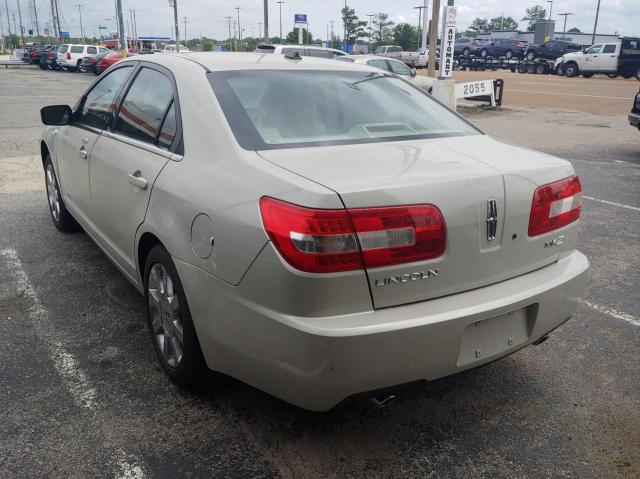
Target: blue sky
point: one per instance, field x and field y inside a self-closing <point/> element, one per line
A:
<point x="207" y="17"/>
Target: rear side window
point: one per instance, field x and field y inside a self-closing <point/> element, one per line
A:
<point x="169" y="129"/>
<point x="77" y="49"/>
<point x="609" y="49"/>
<point x="145" y="106"/>
<point x="378" y="64"/>
<point x="92" y="50"/>
<point x="100" y="101"/>
<point x="321" y="53"/>
<point x="299" y="51"/>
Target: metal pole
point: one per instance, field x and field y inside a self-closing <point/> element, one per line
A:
<point x="184" y="20"/>
<point x="595" y="26"/>
<point x="122" y="39"/>
<point x="35" y="14"/>
<point x="174" y="4"/>
<point x="81" y="28"/>
<point x="266" y="22"/>
<point x="280" y="5"/>
<point x="332" y="34"/>
<point x="344" y="20"/>
<point x="433" y="38"/>
<point x="239" y="29"/>
<point x="419" y="8"/>
<point x="425" y="28"/>
<point x="229" y="20"/>
<point x="549" y="21"/>
<point x="369" y="36"/>
<point x="564" y="28"/>
<point x="259" y="30"/>
<point x="6" y="4"/>
<point x="135" y="28"/>
<point x="57" y="19"/>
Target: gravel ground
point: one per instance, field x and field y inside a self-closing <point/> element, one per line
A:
<point x="567" y="408"/>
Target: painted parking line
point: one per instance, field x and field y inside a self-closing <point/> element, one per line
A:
<point x="612" y="312"/>
<point x="67" y="366"/>
<point x="612" y="203"/>
<point x="73" y="377"/>
<point x="572" y="94"/>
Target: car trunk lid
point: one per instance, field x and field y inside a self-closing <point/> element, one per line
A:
<point x="470" y="189"/>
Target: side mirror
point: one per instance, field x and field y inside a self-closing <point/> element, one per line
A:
<point x="413" y="72"/>
<point x="56" y="115"/>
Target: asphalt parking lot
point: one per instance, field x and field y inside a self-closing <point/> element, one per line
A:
<point x="82" y="395"/>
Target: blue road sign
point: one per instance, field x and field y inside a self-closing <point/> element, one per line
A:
<point x="300" y="18"/>
<point x="64" y="34"/>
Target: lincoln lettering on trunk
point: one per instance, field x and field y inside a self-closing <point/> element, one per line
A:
<point x="407" y="277"/>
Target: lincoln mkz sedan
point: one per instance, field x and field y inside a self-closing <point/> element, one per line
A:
<point x="317" y="229"/>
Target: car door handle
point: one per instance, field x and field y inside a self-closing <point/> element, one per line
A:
<point x="83" y="153"/>
<point x="136" y="180"/>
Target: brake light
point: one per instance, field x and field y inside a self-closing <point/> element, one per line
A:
<point x="68" y="56"/>
<point x="323" y="241"/>
<point x="555" y="205"/>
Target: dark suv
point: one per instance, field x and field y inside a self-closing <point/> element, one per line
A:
<point x="468" y="46"/>
<point x="551" y="50"/>
<point x="504" y="47"/>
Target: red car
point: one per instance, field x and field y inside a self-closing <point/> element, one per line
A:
<point x="108" y="60"/>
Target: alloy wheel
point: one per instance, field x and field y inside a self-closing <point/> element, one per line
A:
<point x="53" y="194"/>
<point x="164" y="309"/>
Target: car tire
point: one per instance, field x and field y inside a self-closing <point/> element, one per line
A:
<point x="78" y="68"/>
<point x="465" y="52"/>
<point x="522" y="68"/>
<point x="61" y="217"/>
<point x="483" y="53"/>
<point x="540" y="69"/>
<point x="531" y="55"/>
<point x="587" y="75"/>
<point x="626" y="75"/>
<point x="171" y="328"/>
<point x="508" y="55"/>
<point x="571" y="70"/>
<point x="531" y="68"/>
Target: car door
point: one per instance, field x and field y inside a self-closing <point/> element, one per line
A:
<point x="609" y="57"/>
<point x="591" y="58"/>
<point x="75" y="141"/>
<point x="127" y="159"/>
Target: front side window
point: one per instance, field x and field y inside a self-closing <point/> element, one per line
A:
<point x="272" y="109"/>
<point x="378" y="64"/>
<point x="594" y="49"/>
<point x="145" y="106"/>
<point x="400" y="68"/>
<point x="63" y="48"/>
<point x="100" y="101"/>
<point x="92" y="50"/>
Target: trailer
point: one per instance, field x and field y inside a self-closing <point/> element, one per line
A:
<point x="537" y="66"/>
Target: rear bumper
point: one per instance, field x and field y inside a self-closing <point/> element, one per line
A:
<point x="634" y="119"/>
<point x="315" y="363"/>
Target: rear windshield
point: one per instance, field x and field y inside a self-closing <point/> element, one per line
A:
<point x="271" y="109"/>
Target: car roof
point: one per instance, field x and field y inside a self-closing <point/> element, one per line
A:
<point x="225" y="61"/>
<point x="271" y="46"/>
<point x="366" y="58"/>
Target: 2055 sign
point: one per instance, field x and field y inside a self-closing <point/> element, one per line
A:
<point x="474" y="88"/>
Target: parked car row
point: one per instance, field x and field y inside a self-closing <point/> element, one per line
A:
<point x="513" y="48"/>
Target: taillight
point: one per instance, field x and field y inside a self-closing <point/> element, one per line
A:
<point x="68" y="56"/>
<point x="49" y="56"/>
<point x="555" y="205"/>
<point x="323" y="241"/>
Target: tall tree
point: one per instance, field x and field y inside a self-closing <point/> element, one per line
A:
<point x="479" y="25"/>
<point x="355" y="28"/>
<point x="534" y="15"/>
<point x="405" y="35"/>
<point x="292" y="37"/>
<point x="503" y="23"/>
<point x="381" y="28"/>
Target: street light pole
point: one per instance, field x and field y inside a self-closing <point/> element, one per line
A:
<point x="81" y="27"/>
<point x="266" y="22"/>
<point x="369" y="45"/>
<point x="564" y="29"/>
<point x="20" y="20"/>
<point x="122" y="39"/>
<point x="595" y="26"/>
<point x="549" y="21"/>
<point x="239" y="29"/>
<point x="280" y="5"/>
<point x="174" y="4"/>
<point x="419" y="8"/>
<point x="35" y="13"/>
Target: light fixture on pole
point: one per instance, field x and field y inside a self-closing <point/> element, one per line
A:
<point x="564" y="28"/>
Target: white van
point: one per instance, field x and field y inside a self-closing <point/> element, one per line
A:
<point x="70" y="56"/>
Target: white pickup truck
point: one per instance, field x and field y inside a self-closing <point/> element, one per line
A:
<point x="613" y="59"/>
<point x="416" y="59"/>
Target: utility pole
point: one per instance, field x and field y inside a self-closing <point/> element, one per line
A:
<point x="174" y="4"/>
<point x="135" y="28"/>
<point x="184" y="21"/>
<point x="56" y="19"/>
<point x="239" y="29"/>
<point x="565" y="15"/>
<point x="81" y="27"/>
<point x="259" y="30"/>
<point x="420" y="8"/>
<point x="122" y="39"/>
<point x="6" y="5"/>
<point x="369" y="36"/>
<point x="332" y="34"/>
<point x="433" y="38"/>
<point x="280" y="5"/>
<point x="21" y="27"/>
<point x="229" y="20"/>
<point x="344" y="20"/>
<point x="266" y="22"/>
<point x="35" y="14"/>
<point x="595" y="26"/>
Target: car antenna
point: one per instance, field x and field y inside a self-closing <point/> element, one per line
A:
<point x="293" y="56"/>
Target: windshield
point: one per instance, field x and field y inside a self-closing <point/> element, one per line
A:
<point x="270" y="109"/>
